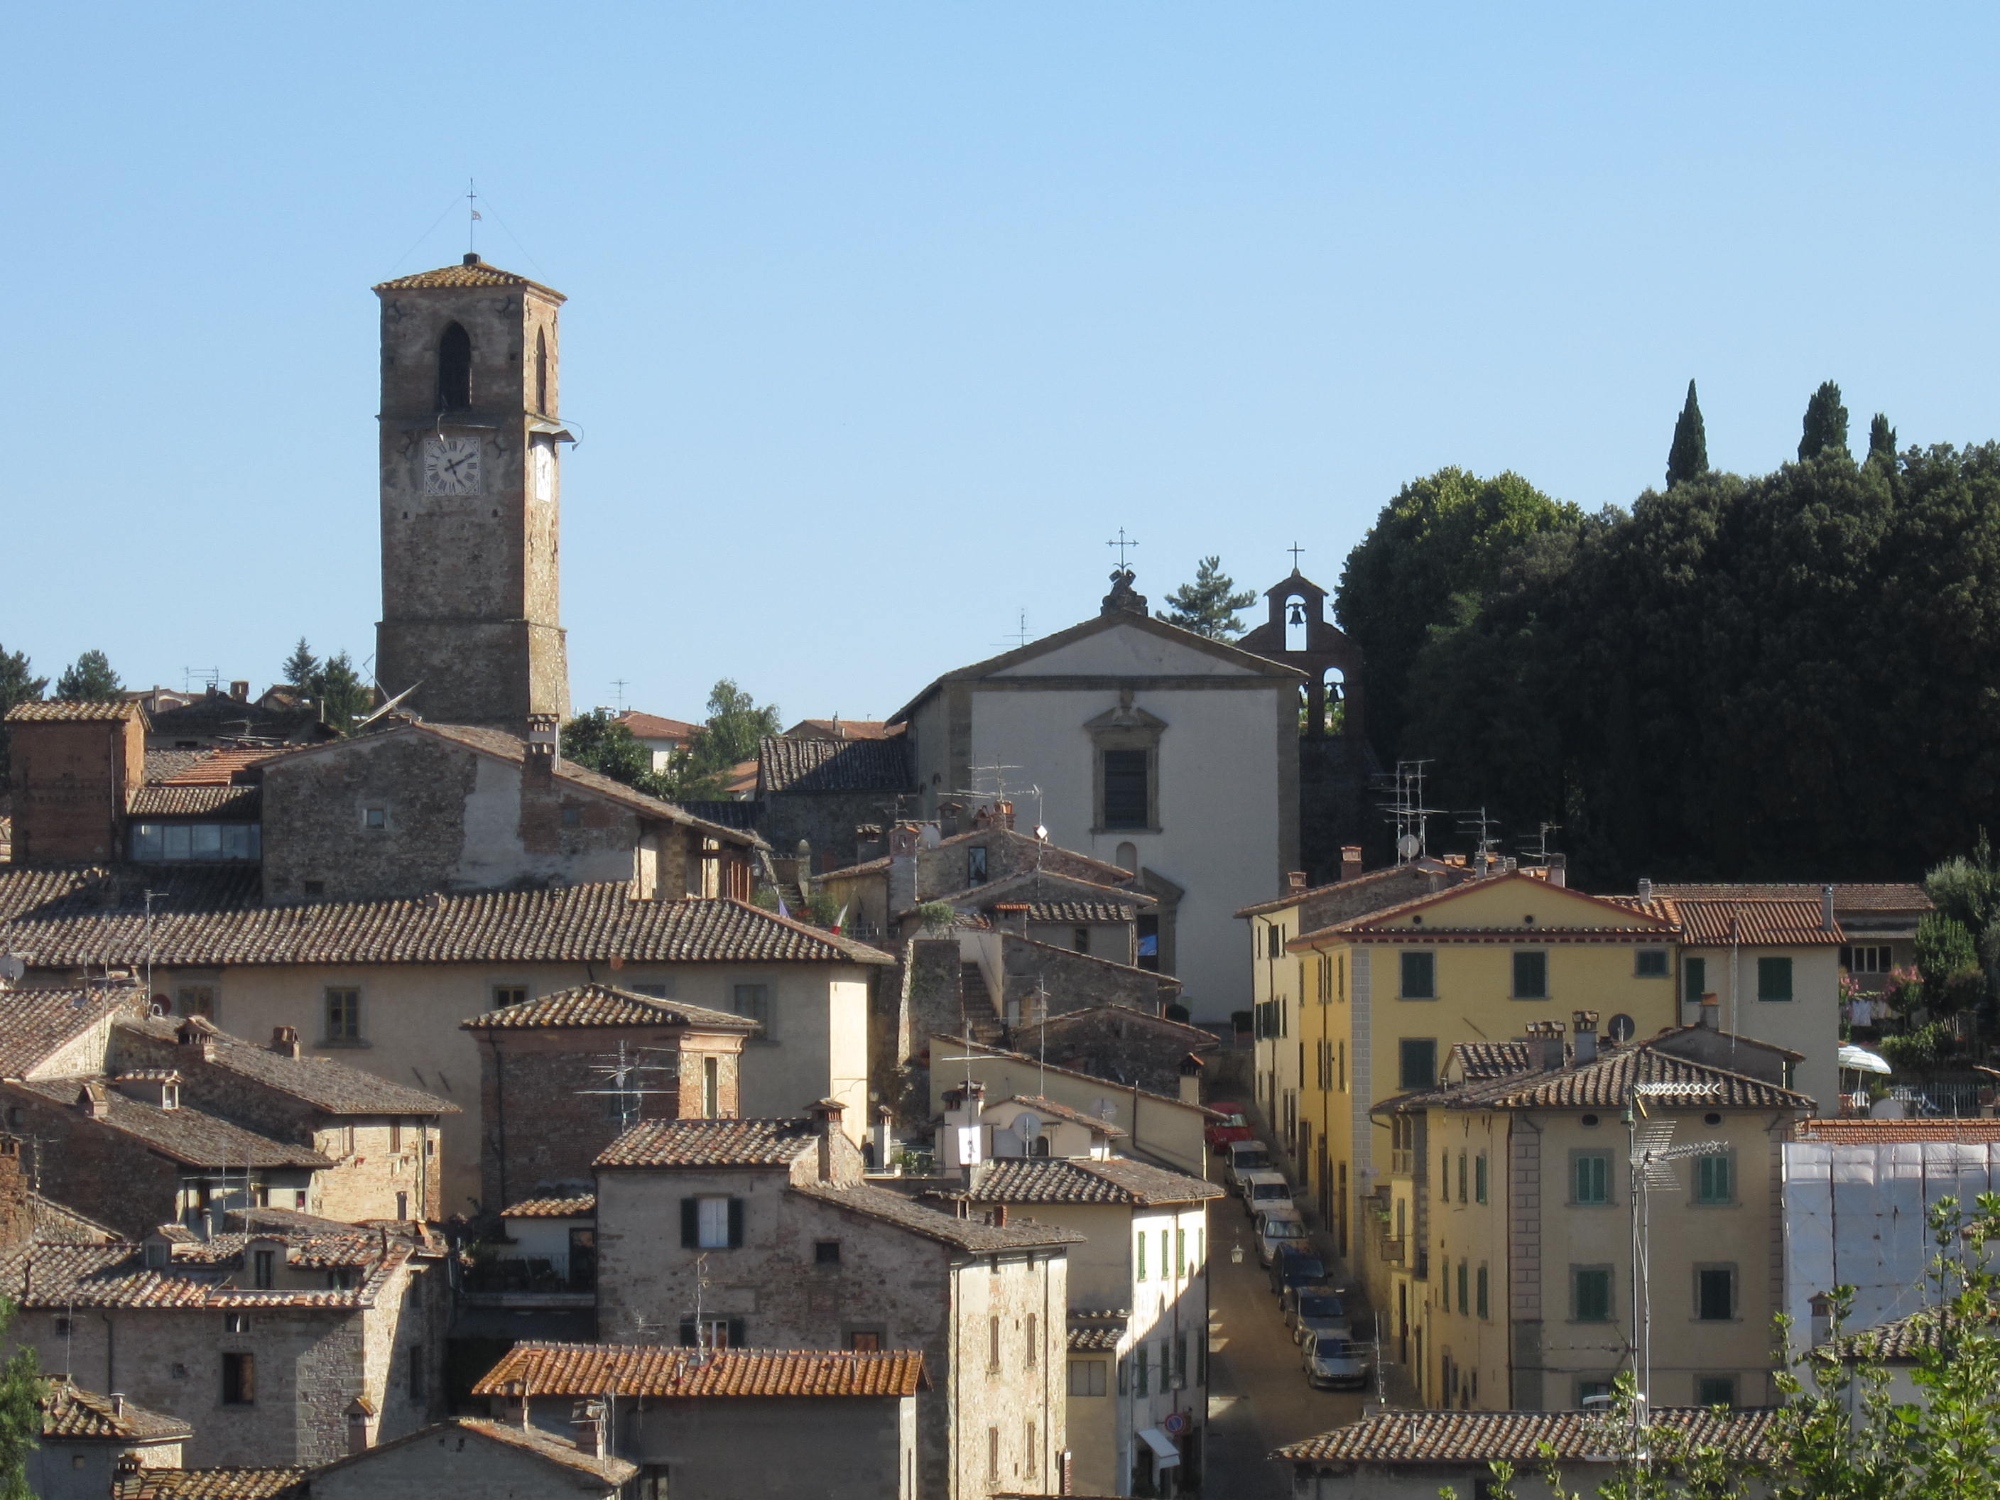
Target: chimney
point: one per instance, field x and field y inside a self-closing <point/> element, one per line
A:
<point x="93" y="1100"/>
<point x="999" y="1216"/>
<point x="1559" y="870"/>
<point x="285" y="1041"/>
<point x="1350" y="861"/>
<point x="198" y="1033"/>
<point x="1191" y="1067"/>
<point x="1586" y="1036"/>
<point x="590" y="1419"/>
<point x="1545" y="1044"/>
<point x="1711" y="1011"/>
<point x="868" y="843"/>
<point x="117" y="1403"/>
<point x="1645" y="888"/>
<point x="881" y="1139"/>
<point x="240" y="690"/>
<point x="1295" y="881"/>
<point x="825" y="1115"/>
<point x="127" y="1478"/>
<point x="539" y="762"/>
<point x="1826" y="908"/>
<point x="902" y="868"/>
<point x="1482" y="861"/>
<point x="358" y="1413"/>
<point x="1011" y="916"/>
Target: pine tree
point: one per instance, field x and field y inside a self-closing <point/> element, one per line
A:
<point x="1825" y="424"/>
<point x="18" y="684"/>
<point x="1207" y="606"/>
<point x="89" y="679"/>
<point x="1688" y="458"/>
<point x="301" y="666"/>
<point x="341" y="694"/>
<point x="1881" y="441"/>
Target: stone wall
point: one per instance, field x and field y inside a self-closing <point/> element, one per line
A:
<point x="1118" y="1043"/>
<point x="450" y="1462"/>
<point x="1075" y="980"/>
<point x="68" y="782"/>
<point x="103" y="1175"/>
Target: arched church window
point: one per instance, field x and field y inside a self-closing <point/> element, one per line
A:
<point x="1335" y="689"/>
<point x="542" y="371"/>
<point x="1298" y="627"/>
<point x="454" y="369"/>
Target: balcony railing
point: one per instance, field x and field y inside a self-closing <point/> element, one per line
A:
<point x="531" y="1275"/>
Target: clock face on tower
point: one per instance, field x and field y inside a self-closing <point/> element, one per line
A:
<point x="545" y="471"/>
<point x="451" y="466"/>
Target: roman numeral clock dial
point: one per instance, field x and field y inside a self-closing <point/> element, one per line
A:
<point x="451" y="466"/>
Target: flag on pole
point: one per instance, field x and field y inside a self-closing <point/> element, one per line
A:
<point x="781" y="909"/>
<point x="840" y="921"/>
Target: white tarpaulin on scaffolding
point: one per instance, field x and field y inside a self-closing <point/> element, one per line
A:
<point x="1856" y="1215"/>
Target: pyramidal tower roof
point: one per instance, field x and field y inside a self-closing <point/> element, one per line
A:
<point x="471" y="272"/>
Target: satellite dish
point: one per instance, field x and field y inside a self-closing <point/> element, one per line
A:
<point x="390" y="707"/>
<point x="1030" y="1126"/>
<point x="1622" y="1027"/>
<point x="12" y="967"/>
<point x="1408" y="845"/>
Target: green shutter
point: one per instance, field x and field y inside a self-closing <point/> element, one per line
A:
<point x="1694" y="977"/>
<point x="1774" y="979"/>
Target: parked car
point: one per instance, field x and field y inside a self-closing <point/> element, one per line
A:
<point x="1316" y="1310"/>
<point x="1247" y="1156"/>
<point x="1262" y="1190"/>
<point x="1333" y="1362"/>
<point x="1292" y="1268"/>
<point x="1233" y="1127"/>
<point x="1279" y="1227"/>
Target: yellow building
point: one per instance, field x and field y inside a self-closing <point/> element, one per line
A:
<point x="1515" y="1289"/>
<point x="1378" y="1000"/>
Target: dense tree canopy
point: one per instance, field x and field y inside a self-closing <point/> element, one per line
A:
<point x="729" y="736"/>
<point x="89" y="678"/>
<point x="1792" y="675"/>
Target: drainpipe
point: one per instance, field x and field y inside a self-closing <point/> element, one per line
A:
<point x="499" y="1113"/>
<point x="110" y="1352"/>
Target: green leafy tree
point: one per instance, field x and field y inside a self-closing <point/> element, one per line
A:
<point x="1881" y="442"/>
<point x="1210" y="604"/>
<point x="1944" y="948"/>
<point x="89" y="679"/>
<point x="734" y="726"/>
<point x="600" y="743"/>
<point x="340" y="692"/>
<point x="18" y="684"/>
<point x="301" y="667"/>
<point x="1825" y="424"/>
<point x="1688" y="457"/>
<point x="20" y="1413"/>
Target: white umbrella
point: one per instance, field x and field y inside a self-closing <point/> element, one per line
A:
<point x="1860" y="1060"/>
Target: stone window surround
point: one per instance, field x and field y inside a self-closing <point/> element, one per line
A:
<point x="326" y="1037"/>
<point x="768" y="1037"/>
<point x="1610" y="1273"/>
<point x="1735" y="1290"/>
<point x="1125" y="727"/>
<point x="1695" y="1199"/>
<point x="1610" y="1199"/>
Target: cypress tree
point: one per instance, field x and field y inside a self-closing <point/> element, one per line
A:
<point x="1688" y="458"/>
<point x="1881" y="441"/>
<point x="1825" y="424"/>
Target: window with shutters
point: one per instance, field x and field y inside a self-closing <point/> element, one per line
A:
<point x="1712" y="1184"/>
<point x="1714" y="1390"/>
<point x="1479" y="1178"/>
<point x="713" y="1333"/>
<point x="1479" y="1302"/>
<point x="1461" y="1182"/>
<point x="1086" y="1377"/>
<point x="1531" y="975"/>
<point x="975" y="865"/>
<point x="1774" y="978"/>
<point x="1715" y="1293"/>
<point x="1694" y="979"/>
<point x="239" y="1380"/>
<point x="992" y="1343"/>
<point x="1126" y="792"/>
<point x="1419" y="976"/>
<point x="1590" y="1294"/>
<point x="1590" y="1178"/>
<point x="1464" y="1278"/>
<point x="1034" y="1341"/>
<point x="1417" y="1058"/>
<point x="343" y="1015"/>
<point x="711" y="1223"/>
<point x="1650" y="963"/>
<point x="1141" y="1371"/>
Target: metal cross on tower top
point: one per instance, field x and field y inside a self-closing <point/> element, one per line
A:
<point x="1295" y="549"/>
<point x="1121" y="544"/>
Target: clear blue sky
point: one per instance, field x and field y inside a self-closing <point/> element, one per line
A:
<point x="883" y="317"/>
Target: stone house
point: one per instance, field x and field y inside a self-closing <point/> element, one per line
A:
<point x="1138" y="1286"/>
<point x="1122" y="721"/>
<point x="578" y="1067"/>
<point x="384" y="985"/>
<point x="429" y="807"/>
<point x="763" y="1234"/>
<point x="72" y="766"/>
<point x="84" y="1434"/>
<point x="281" y="1344"/>
<point x="235" y="1482"/>
<point x="1413" y="1455"/>
<point x="466" y="1458"/>
<point x="179" y="1123"/>
<point x="1508" y="1247"/>
<point x="734" y="1424"/>
<point x="1120" y="1043"/>
<point x="818" y="791"/>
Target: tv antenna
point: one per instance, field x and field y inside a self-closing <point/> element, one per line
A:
<point x="1538" y="853"/>
<point x="624" y="1071"/>
<point x="1020" y="633"/>
<point x="1652" y="1154"/>
<point x="1486" y="843"/>
<point x="618" y="686"/>
<point x="1407" y="811"/>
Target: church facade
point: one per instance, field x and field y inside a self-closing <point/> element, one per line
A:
<point x="1154" y="749"/>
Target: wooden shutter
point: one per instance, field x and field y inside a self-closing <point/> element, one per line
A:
<point x="735" y="1223"/>
<point x="690" y="1223"/>
<point x="736" y="1331"/>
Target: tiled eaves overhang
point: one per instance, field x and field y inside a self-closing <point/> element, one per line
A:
<point x="1513" y="936"/>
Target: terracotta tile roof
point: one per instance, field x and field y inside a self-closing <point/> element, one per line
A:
<point x="1763" y="924"/>
<point x="653" y="727"/>
<point x="103" y="892"/>
<point x="220" y="767"/>
<point x="467" y="274"/>
<point x="964" y="1234"/>
<point x="1097" y="1331"/>
<point x="572" y="1206"/>
<point x="115" y="1275"/>
<point x="728" y="812"/>
<point x="1387" y="875"/>
<point x="165" y="765"/>
<point x="1607" y="1084"/>
<point x="57" y="1225"/>
<point x="711" y="1143"/>
<point x="323" y="1082"/>
<point x="605" y="1005"/>
<point x="1883" y="896"/>
<point x="216" y="1484"/>
<point x="1044" y="1179"/>
<point x="36" y="1022"/>
<point x="1898" y="1342"/>
<point x="842" y="729"/>
<point x="73" y="711"/>
<point x="1623" y="920"/>
<point x="580" y="924"/>
<point x="219" y="716"/>
<point x="1029" y="886"/>
<point x="1479" y="1437"/>
<point x="1043" y="1106"/>
<point x="796" y="767"/>
<point x="1081" y="911"/>
<point x="980" y="1050"/>
<point x="659" y="1370"/>
<point x="612" y="1472"/>
<point x="188" y="1135"/>
<point x="70" y="1413"/>
<point x="233" y="803"/>
<point x="1195" y="1038"/>
<point x="1476" y="1062"/>
<point x="1871" y="1132"/>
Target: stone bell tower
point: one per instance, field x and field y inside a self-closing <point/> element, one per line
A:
<point x="471" y="498"/>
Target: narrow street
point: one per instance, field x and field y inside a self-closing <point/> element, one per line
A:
<point x="1258" y="1396"/>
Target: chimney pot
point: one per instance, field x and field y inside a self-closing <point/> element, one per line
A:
<point x="1826" y="908"/>
<point x="285" y="1041"/>
<point x="1645" y="888"/>
<point x="1295" y="880"/>
<point x="1350" y="861"/>
<point x="999" y="1216"/>
<point x="1558" y="869"/>
<point x="1711" y="1011"/>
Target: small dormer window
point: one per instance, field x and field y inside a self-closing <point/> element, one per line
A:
<point x="170" y="1096"/>
<point x="159" y="1255"/>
